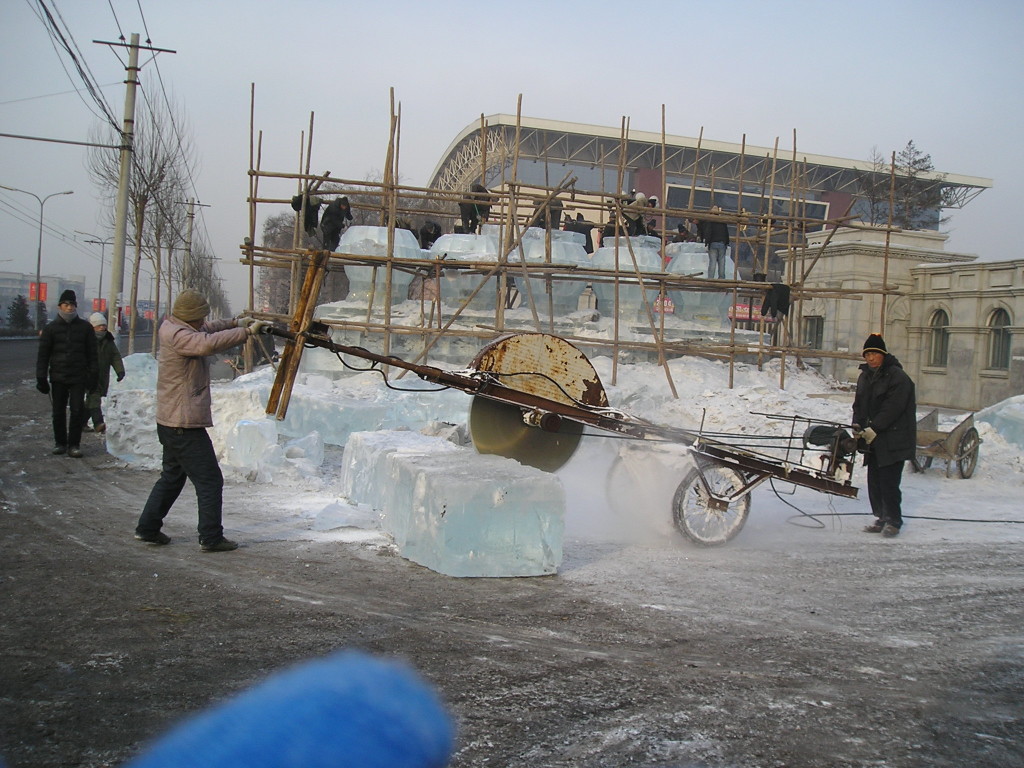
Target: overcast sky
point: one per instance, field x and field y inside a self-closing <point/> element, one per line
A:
<point x="845" y="77"/>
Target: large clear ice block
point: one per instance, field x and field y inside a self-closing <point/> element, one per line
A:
<point x="455" y="511"/>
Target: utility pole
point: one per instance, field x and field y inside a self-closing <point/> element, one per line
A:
<point x="127" y="147"/>
<point x="186" y="267"/>
<point x="121" y="208"/>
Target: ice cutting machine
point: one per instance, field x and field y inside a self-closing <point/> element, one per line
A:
<point x="533" y="394"/>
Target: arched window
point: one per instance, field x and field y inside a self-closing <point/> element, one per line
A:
<point x="938" y="346"/>
<point x="999" y="340"/>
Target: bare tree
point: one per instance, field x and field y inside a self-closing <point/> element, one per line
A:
<point x="275" y="284"/>
<point x="164" y="233"/>
<point x="203" y="277"/>
<point x="874" y="188"/>
<point x="161" y="159"/>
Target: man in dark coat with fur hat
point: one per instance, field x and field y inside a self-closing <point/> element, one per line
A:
<point x="67" y="368"/>
<point x="885" y="418"/>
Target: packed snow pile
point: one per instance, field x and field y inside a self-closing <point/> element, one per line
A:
<point x="1007" y="418"/>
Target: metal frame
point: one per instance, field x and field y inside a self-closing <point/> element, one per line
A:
<point x="545" y="413"/>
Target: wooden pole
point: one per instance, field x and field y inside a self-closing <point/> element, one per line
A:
<point x="696" y="166"/>
<point x="623" y="138"/>
<point x="888" y="235"/>
<point x="736" y="265"/>
<point x="281" y="391"/>
<point x="782" y="323"/>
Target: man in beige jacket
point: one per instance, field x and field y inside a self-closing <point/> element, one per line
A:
<point x="183" y="412"/>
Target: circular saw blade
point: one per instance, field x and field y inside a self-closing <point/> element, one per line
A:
<point x="544" y="366"/>
<point x="498" y="427"/>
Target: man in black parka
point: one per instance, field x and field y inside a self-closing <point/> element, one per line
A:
<point x="885" y="418"/>
<point x="67" y="368"/>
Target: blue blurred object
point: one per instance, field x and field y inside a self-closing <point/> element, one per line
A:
<point x="348" y="709"/>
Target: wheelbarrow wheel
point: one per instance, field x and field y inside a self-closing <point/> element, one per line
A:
<point x="703" y="519"/>
<point x="921" y="462"/>
<point x="967" y="453"/>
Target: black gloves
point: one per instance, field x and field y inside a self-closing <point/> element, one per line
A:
<point x="43" y="386"/>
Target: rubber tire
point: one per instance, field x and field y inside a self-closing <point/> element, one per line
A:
<point x="691" y="515"/>
<point x="968" y="445"/>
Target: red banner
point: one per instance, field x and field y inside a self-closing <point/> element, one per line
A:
<point x="745" y="314"/>
<point x="32" y="292"/>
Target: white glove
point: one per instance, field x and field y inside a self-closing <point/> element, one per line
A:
<point x="869" y="435"/>
<point x="244" y="322"/>
<point x="258" y="326"/>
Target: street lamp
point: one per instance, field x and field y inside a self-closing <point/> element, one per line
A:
<point x="39" y="253"/>
<point x="103" y="253"/>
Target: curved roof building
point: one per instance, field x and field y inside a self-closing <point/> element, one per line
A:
<point x="697" y="173"/>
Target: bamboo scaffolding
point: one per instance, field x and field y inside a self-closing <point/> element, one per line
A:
<point x="511" y="199"/>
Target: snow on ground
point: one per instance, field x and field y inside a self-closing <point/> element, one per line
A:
<point x="283" y="478"/>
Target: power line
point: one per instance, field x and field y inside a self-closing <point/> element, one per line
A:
<point x="19" y="212"/>
<point x="63" y="40"/>
<point x="149" y="40"/>
<point x="64" y="44"/>
<point x="170" y="110"/>
<point x="30" y="218"/>
<point x="116" y="20"/>
<point x="49" y="95"/>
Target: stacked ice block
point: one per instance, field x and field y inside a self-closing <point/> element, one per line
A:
<point x="691" y="259"/>
<point x="455" y="511"/>
<point x="567" y="251"/>
<point x="457" y="285"/>
<point x="373" y="241"/>
<point x="630" y="298"/>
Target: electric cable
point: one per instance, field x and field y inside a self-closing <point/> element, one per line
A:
<point x="820" y="524"/>
<point x="63" y="40"/>
<point x="372" y="368"/>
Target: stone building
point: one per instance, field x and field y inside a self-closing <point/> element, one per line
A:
<point x="954" y="323"/>
<point x="966" y="332"/>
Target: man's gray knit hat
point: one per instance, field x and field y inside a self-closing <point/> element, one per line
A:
<point x="190" y="306"/>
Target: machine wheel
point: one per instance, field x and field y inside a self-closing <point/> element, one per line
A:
<point x="968" y="453"/>
<point x="921" y="462"/>
<point x="697" y="516"/>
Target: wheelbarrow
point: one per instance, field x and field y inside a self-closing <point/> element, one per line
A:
<point x="959" y="447"/>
